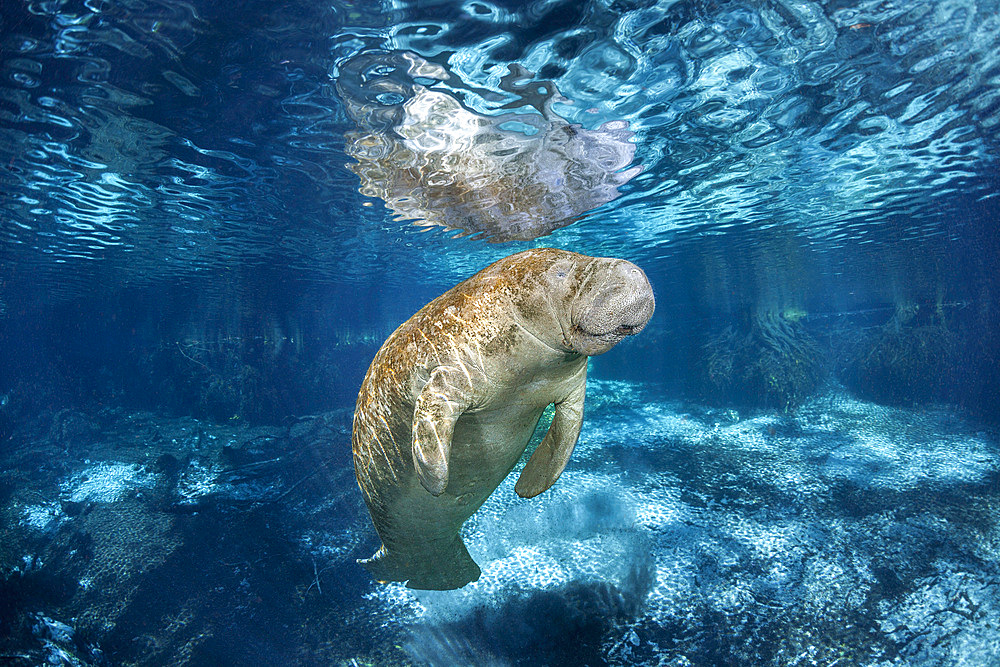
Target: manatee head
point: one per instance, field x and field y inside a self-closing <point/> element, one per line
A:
<point x="582" y="304"/>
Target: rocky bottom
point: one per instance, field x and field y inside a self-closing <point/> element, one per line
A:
<point x="842" y="533"/>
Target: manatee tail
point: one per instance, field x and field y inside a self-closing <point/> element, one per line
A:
<point x="440" y="569"/>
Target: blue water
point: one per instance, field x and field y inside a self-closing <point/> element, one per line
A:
<point x="212" y="215"/>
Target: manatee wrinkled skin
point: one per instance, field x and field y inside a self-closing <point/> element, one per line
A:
<point x="454" y="394"/>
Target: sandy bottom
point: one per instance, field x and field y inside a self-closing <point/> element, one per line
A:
<point x="844" y="533"/>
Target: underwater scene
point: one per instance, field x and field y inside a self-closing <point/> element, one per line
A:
<point x="500" y="332"/>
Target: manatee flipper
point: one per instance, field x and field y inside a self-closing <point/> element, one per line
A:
<point x="549" y="460"/>
<point x="439" y="569"/>
<point x="441" y="402"/>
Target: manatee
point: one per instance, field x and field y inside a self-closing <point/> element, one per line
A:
<point x="452" y="398"/>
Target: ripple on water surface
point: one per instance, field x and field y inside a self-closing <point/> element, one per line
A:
<point x="171" y="139"/>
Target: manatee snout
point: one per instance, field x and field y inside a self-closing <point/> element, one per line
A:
<point x="620" y="306"/>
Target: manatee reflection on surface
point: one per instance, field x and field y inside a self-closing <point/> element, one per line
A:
<point x="512" y="176"/>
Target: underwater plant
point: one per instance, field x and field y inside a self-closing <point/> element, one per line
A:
<point x="982" y="355"/>
<point x="769" y="361"/>
<point x="910" y="359"/>
<point x="232" y="378"/>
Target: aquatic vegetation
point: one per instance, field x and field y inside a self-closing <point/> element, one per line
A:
<point x="911" y="359"/>
<point x="684" y="535"/>
<point x="233" y="379"/>
<point x="501" y="177"/>
<point x="977" y="375"/>
<point x="139" y="552"/>
<point x="983" y="381"/>
<point x="768" y="361"/>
